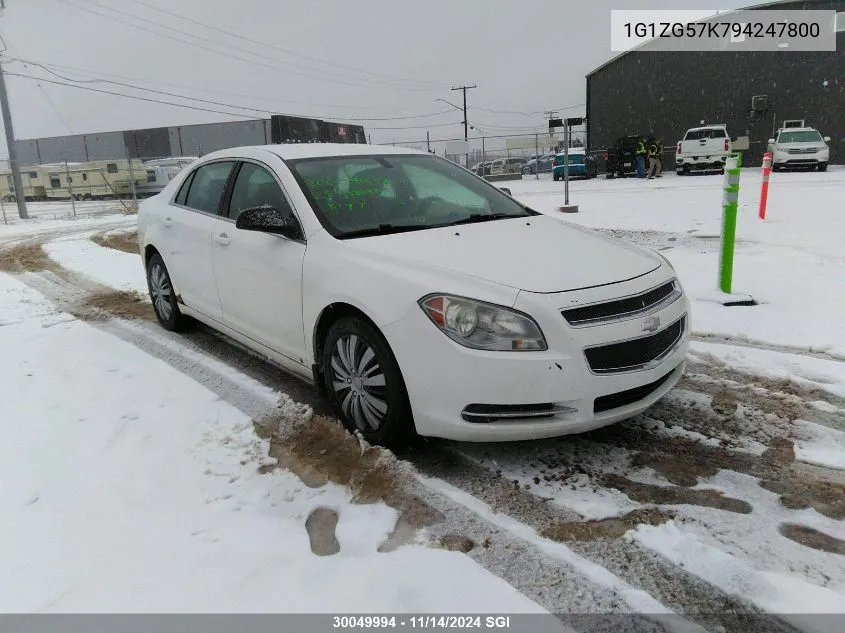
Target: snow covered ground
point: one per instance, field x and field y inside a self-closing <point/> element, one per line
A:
<point x="125" y="486"/>
<point x="792" y="263"/>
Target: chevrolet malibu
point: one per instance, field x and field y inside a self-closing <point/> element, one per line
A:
<point x="418" y="297"/>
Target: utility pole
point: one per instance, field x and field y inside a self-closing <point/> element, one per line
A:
<point x="466" y="121"/>
<point x="427" y="142"/>
<point x="20" y="196"/>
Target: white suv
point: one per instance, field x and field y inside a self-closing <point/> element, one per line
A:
<point x="417" y="295"/>
<point x="801" y="147"/>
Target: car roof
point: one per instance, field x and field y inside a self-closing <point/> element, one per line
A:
<point x="797" y="129"/>
<point x="720" y="126"/>
<point x="293" y="151"/>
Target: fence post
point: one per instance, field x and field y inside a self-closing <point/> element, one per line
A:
<point x="764" y="191"/>
<point x="70" y="189"/>
<point x="537" y="155"/>
<point x="3" y="207"/>
<point x="730" y="203"/>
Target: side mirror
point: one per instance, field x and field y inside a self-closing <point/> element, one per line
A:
<point x="827" y="139"/>
<point x="266" y="219"/>
<point x="771" y="141"/>
<point x="507" y="191"/>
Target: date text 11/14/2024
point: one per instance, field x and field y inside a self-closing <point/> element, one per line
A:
<point x="353" y="622"/>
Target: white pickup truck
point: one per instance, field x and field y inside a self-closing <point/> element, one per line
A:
<point x="703" y="148"/>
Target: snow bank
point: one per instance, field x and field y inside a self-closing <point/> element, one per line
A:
<point x="119" y="270"/>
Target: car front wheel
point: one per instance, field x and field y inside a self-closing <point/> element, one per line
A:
<point x="365" y="384"/>
<point x="162" y="295"/>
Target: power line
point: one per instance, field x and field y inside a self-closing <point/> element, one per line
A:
<point x="55" y="109"/>
<point x="279" y="48"/>
<point x="182" y="105"/>
<point x="120" y="94"/>
<point x="220" y="103"/>
<point x="276" y="62"/>
<point x="253" y="97"/>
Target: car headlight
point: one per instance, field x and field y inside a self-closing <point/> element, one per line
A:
<point x="482" y="325"/>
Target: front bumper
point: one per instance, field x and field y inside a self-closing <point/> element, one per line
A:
<point x="446" y="381"/>
<point x="782" y="159"/>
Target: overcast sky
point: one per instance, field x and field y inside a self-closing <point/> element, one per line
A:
<point x="340" y="59"/>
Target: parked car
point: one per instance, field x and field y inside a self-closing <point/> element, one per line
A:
<point x="703" y="148"/>
<point x="543" y="163"/>
<point x="581" y="165"/>
<point x="418" y="296"/>
<point x="802" y="147"/>
<point x="620" y="158"/>
<point x="507" y="166"/>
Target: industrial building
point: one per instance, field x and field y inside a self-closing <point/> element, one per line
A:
<point x="654" y="92"/>
<point x="184" y="140"/>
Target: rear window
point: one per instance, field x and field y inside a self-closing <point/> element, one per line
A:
<point x="695" y="135"/>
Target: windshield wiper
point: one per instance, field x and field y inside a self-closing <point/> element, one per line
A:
<point x="484" y="217"/>
<point x="383" y="229"/>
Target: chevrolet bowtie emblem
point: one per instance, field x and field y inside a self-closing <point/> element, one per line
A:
<point x="651" y="324"/>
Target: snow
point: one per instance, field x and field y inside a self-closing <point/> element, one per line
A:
<point x="807" y="371"/>
<point x="747" y="556"/>
<point x="125" y="486"/>
<point x="775" y="592"/>
<point x="820" y="445"/>
<point x="792" y="263"/>
<point x="119" y="270"/>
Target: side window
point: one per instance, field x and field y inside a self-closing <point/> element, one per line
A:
<point x="33" y="175"/>
<point x="55" y="183"/>
<point x="256" y="187"/>
<point x="207" y="187"/>
<point x="720" y="133"/>
<point x="111" y="168"/>
<point x="84" y="177"/>
<point x="183" y="192"/>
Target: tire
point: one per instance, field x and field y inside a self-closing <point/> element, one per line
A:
<point x="822" y="166"/>
<point x="162" y="295"/>
<point x="555" y="177"/>
<point x="355" y="351"/>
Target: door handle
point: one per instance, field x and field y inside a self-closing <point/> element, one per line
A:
<point x="167" y="222"/>
<point x="222" y="239"/>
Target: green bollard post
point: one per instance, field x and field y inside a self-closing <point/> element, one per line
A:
<point x="730" y="204"/>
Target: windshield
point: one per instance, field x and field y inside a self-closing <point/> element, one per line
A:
<point x="360" y="195"/>
<point x="807" y="136"/>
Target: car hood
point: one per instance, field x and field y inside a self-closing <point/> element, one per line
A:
<point x="535" y="254"/>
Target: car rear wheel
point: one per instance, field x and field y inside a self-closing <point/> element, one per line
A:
<point x="163" y="296"/>
<point x="365" y="384"/>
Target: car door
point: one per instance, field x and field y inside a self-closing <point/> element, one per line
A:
<point x="191" y="219"/>
<point x="259" y="275"/>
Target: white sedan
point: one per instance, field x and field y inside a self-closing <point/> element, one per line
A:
<point x="419" y="297"/>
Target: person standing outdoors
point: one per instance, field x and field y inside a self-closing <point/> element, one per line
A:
<point x="641" y="153"/>
<point x="655" y="159"/>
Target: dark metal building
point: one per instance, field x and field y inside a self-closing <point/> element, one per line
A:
<point x="664" y="93"/>
<point x="184" y="140"/>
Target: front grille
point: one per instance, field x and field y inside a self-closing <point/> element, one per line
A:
<point x="636" y="353"/>
<point x="619" y="308"/>
<point x="802" y="150"/>
<point x="629" y="396"/>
